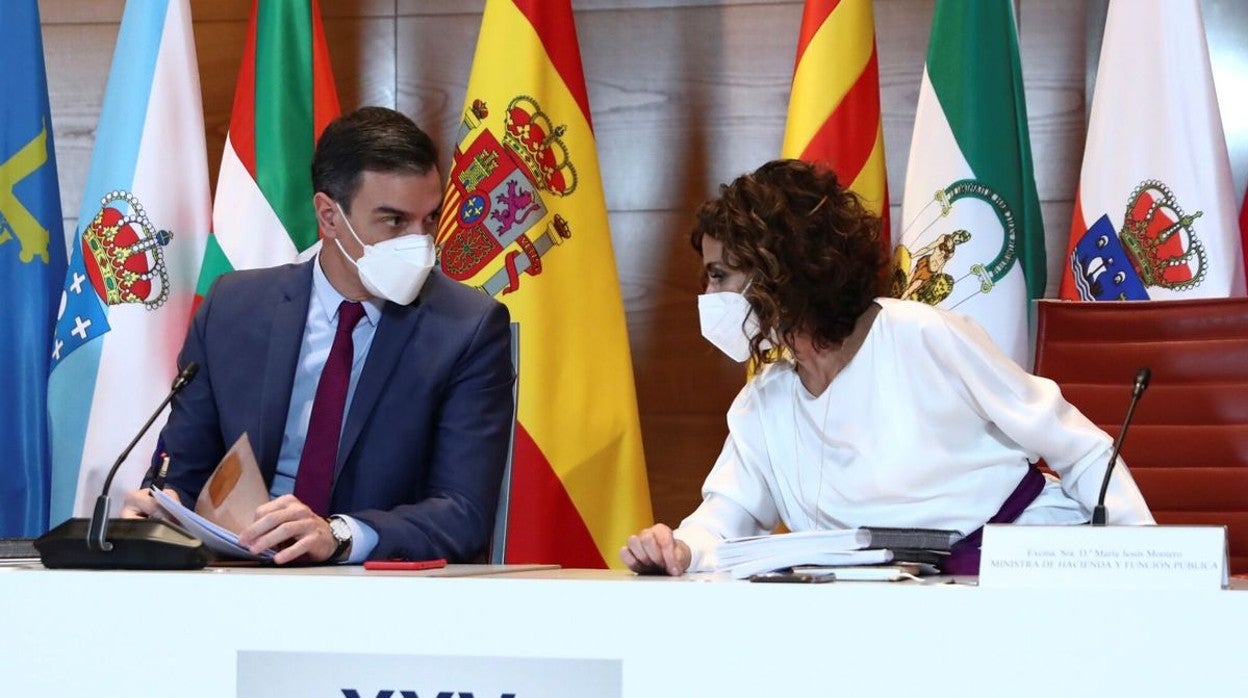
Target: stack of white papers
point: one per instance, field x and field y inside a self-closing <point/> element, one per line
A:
<point x="896" y="572"/>
<point x="219" y="540"/>
<point x="742" y="557"/>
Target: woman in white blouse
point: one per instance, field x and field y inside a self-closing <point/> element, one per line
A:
<point x="867" y="411"/>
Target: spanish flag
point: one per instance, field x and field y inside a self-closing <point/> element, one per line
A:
<point x="262" y="214"/>
<point x="834" y="106"/>
<point x="524" y="220"/>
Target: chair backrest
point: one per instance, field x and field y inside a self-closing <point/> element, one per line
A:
<point x="496" y="553"/>
<point x="1188" y="444"/>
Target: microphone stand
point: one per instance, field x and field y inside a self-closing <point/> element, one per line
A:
<point x="136" y="543"/>
<point x="1137" y="391"/>
<point x="98" y="529"/>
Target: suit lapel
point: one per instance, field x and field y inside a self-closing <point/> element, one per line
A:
<point x="289" y="316"/>
<point x="393" y="332"/>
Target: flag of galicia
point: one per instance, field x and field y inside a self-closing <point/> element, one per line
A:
<point x="133" y="259"/>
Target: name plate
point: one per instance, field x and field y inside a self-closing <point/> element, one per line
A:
<point x="262" y="674"/>
<point x="1118" y="557"/>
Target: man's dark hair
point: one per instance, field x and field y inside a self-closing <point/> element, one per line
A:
<point x="376" y="139"/>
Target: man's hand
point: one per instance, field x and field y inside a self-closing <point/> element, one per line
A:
<point x="655" y="551"/>
<point x="287" y="520"/>
<point x="140" y="504"/>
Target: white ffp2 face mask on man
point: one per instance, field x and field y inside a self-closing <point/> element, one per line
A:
<point x="394" y="269"/>
<point x="728" y="322"/>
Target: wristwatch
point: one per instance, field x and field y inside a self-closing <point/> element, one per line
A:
<point x="342" y="533"/>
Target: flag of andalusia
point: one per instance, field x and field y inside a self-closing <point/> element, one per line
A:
<point x="972" y="239"/>
<point x="524" y="220"/>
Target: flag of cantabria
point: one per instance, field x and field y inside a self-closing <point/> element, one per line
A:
<point x="1243" y="229"/>
<point x="972" y="240"/>
<point x="525" y="221"/>
<point x="262" y="215"/>
<point x="134" y="258"/>
<point x="834" y="106"/>
<point x="1155" y="211"/>
<point x="32" y="267"/>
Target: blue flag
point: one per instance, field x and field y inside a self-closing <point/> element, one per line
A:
<point x="32" y="267"/>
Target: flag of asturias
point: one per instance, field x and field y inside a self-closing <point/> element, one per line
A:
<point x="1155" y="211"/>
<point x="972" y="239"/>
<point x="134" y="258"/>
<point x="524" y="220"/>
<point x="32" y="266"/>
<point x="262" y="215"/>
<point x="834" y="106"/>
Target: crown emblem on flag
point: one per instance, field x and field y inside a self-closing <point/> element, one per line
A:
<point x="529" y="133"/>
<point x="1158" y="237"/>
<point x="500" y="201"/>
<point x="124" y="254"/>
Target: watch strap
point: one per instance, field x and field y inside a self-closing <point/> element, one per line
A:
<point x="344" y="544"/>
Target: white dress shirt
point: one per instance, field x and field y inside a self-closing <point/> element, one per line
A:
<point x="929" y="425"/>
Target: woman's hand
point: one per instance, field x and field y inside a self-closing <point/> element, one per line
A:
<point x="656" y="551"/>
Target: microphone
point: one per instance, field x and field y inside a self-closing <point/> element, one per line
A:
<point x="134" y="543"/>
<point x="1142" y="377"/>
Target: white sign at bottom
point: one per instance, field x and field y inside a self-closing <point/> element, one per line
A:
<point x="345" y="675"/>
<point x="1118" y="557"/>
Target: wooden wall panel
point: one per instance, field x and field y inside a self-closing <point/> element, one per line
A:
<point x="79" y="12"/>
<point x="693" y="97"/>
<point x="434" y="57"/>
<point x="685" y="94"/>
<point x="74" y="54"/>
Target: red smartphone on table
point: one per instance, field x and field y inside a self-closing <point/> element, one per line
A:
<point x="404" y="565"/>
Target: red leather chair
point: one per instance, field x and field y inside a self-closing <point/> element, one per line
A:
<point x="1188" y="443"/>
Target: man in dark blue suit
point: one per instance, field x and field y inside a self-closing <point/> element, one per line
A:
<point x="377" y="394"/>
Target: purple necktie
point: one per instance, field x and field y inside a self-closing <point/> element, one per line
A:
<point x="315" y="477"/>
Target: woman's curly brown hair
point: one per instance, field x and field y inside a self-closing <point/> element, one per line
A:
<point x="810" y="247"/>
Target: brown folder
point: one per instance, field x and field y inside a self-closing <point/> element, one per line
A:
<point x="235" y="490"/>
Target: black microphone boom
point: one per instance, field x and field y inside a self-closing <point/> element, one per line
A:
<point x="1142" y="377"/>
<point x="133" y="543"/>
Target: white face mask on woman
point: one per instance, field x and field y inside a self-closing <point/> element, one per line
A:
<point x="728" y="322"/>
<point x="393" y="269"/>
